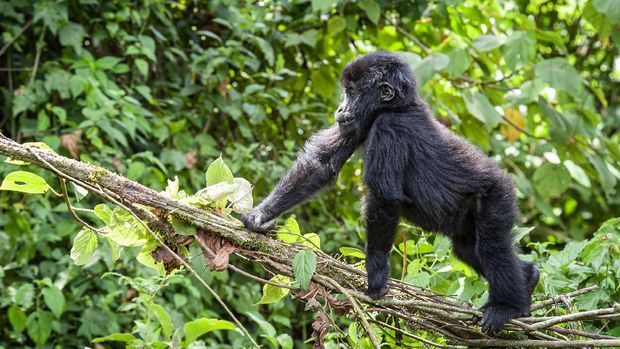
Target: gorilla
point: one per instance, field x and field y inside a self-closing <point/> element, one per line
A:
<point x="414" y="168"/>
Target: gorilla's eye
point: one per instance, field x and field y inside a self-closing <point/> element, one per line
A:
<point x="349" y="90"/>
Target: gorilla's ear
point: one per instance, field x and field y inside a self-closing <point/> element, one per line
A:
<point x="387" y="92"/>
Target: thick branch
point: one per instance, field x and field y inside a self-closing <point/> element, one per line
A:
<point x="445" y="316"/>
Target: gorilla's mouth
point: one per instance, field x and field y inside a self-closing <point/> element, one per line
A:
<point x="345" y="119"/>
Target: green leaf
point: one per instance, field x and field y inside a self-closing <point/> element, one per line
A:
<point x="145" y="257"/>
<point x="459" y="62"/>
<point x="197" y="328"/>
<point x="143" y="66"/>
<point x="24" y="182"/>
<point x="218" y="172"/>
<point x="335" y="25"/>
<point x="103" y="212"/>
<point x="551" y="180"/>
<point x="352" y="252"/>
<point x="84" y="244"/>
<point x="485" y="43"/>
<point x="304" y="265"/>
<point x="609" y="7"/>
<point x="289" y="232"/>
<point x="272" y="293"/>
<point x="519" y="49"/>
<point x="560" y="128"/>
<point x="107" y="62"/>
<point x="323" y="5"/>
<point x="55" y="300"/>
<point x="181" y="227"/>
<point x="164" y="319"/>
<point x="266" y="48"/>
<point x="577" y="173"/>
<point x="148" y="47"/>
<point x="115" y="337"/>
<point x="312" y="240"/>
<point x="605" y="176"/>
<point x="72" y="34"/>
<point x="560" y="75"/>
<point x="479" y="106"/>
<point x="372" y="9"/>
<point x="568" y="255"/>
<point x="427" y="67"/>
<point x="39" y="326"/>
<point x="519" y="233"/>
<point x="17" y="318"/>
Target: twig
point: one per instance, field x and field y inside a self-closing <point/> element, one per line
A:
<point x="575" y="316"/>
<point x="19" y="33"/>
<point x="71" y="210"/>
<point x="411" y="335"/>
<point x="358" y="310"/>
<point x="558" y="299"/>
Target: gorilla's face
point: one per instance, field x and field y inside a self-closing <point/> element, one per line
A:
<point x="360" y="104"/>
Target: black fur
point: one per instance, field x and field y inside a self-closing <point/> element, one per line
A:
<point x="416" y="168"/>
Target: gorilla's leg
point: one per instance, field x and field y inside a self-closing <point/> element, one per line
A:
<point x="381" y="222"/>
<point x="507" y="277"/>
<point x="465" y="248"/>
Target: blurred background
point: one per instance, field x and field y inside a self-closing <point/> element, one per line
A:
<point x="157" y="89"/>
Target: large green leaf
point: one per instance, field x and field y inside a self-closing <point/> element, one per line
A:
<point x="164" y="319"/>
<point x="72" y="34"/>
<point x="551" y="180"/>
<point x="609" y="7"/>
<point x="17" y="318"/>
<point x="372" y="9"/>
<point x="273" y="293"/>
<point x="84" y="244"/>
<point x="519" y="49"/>
<point x="426" y="68"/>
<point x="304" y="265"/>
<point x="197" y="328"/>
<point x="459" y="62"/>
<point x="479" y="106"/>
<point x="25" y="182"/>
<point x="560" y="75"/>
<point x="39" y="326"/>
<point x="218" y="172"/>
<point x="55" y="300"/>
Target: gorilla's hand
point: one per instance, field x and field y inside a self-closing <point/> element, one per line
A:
<point x="257" y="220"/>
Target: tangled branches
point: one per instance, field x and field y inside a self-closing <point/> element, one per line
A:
<point x="406" y="311"/>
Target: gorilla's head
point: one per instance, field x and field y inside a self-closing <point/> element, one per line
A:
<point x="373" y="84"/>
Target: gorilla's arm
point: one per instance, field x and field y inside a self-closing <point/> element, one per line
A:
<point x="318" y="164"/>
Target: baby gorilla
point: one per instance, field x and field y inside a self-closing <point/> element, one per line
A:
<point x="414" y="168"/>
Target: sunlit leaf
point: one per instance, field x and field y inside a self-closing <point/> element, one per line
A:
<point x="218" y="172"/>
<point x="272" y="293"/>
<point x="199" y="327"/>
<point x="25" y="182"/>
<point x="84" y="244"/>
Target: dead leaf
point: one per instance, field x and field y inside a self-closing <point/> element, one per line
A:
<point x="219" y="250"/>
<point x="72" y="142"/>
<point x="222" y="88"/>
<point x="161" y="254"/>
<point x="319" y="330"/>
<point x="516" y="123"/>
<point x="191" y="159"/>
